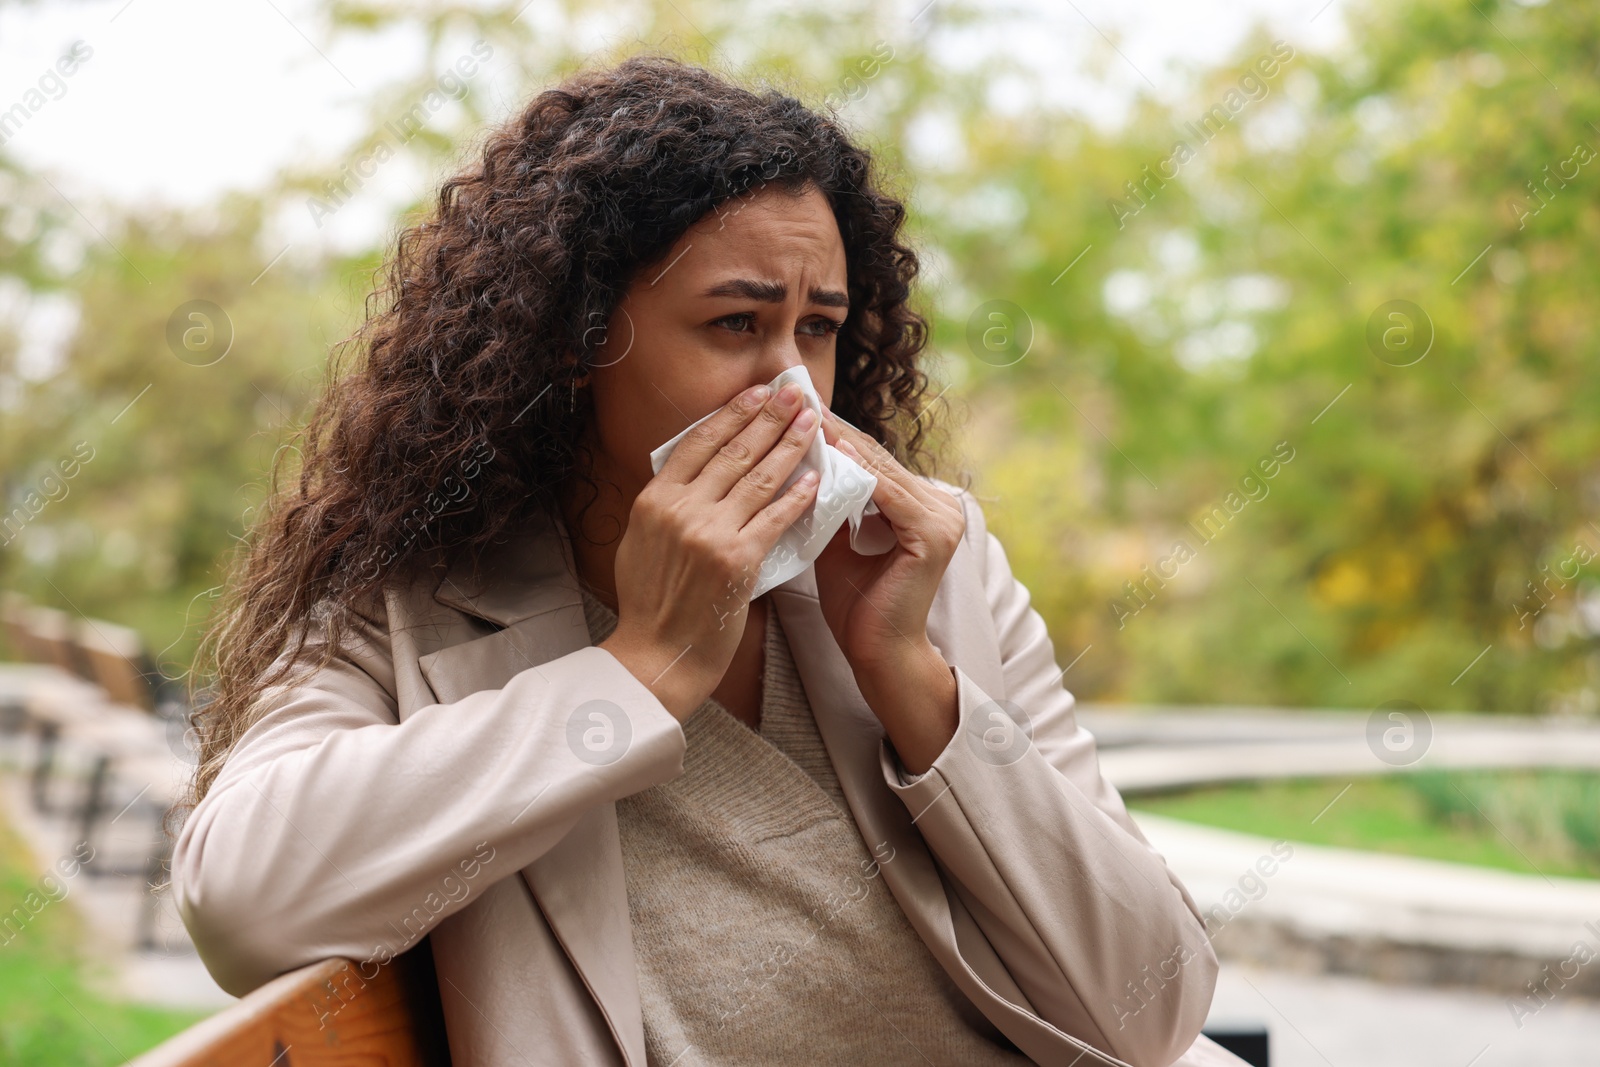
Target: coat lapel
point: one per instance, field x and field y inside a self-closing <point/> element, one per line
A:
<point x="853" y="735"/>
<point x="528" y="585"/>
<point x="850" y="731"/>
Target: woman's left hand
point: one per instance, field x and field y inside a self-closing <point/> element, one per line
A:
<point x="877" y="606"/>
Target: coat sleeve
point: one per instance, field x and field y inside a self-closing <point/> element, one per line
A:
<point x="335" y="829"/>
<point x="1101" y="936"/>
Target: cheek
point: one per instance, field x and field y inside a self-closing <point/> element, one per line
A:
<point x="626" y="422"/>
<point x="639" y="405"/>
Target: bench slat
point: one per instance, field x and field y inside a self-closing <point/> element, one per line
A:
<point x="385" y="1021"/>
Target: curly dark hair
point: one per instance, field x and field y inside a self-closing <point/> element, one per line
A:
<point x="474" y="343"/>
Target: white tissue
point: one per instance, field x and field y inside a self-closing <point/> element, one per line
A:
<point x="845" y="492"/>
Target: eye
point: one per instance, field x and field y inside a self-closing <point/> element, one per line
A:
<point x="821" y="326"/>
<point x="827" y="327"/>
<point x="742" y="316"/>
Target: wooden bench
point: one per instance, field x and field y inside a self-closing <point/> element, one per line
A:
<point x="100" y="731"/>
<point x="326" y="1013"/>
<point x="100" y="652"/>
<point x="46" y="636"/>
<point x="118" y="662"/>
<point x="110" y="717"/>
<point x="15" y="628"/>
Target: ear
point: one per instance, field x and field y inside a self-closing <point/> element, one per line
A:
<point x="569" y="359"/>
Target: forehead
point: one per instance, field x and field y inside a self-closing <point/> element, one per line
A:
<point x="770" y="228"/>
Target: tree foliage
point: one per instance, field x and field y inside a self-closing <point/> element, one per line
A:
<point x="1370" y="273"/>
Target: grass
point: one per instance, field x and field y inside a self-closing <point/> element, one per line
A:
<point x="1531" y="821"/>
<point x="47" y="1016"/>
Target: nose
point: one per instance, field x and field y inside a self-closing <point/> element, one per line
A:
<point x="784" y="355"/>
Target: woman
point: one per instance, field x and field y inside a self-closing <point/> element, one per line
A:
<point x="484" y="678"/>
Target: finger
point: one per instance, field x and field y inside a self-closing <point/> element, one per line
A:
<point x="900" y="506"/>
<point x="751" y="492"/>
<point x="768" y="524"/>
<point x="914" y="507"/>
<point x="836" y="431"/>
<point x="880" y="462"/>
<point x="830" y="429"/>
<point x="734" y="461"/>
<point x="702" y="442"/>
<point x="830" y="432"/>
<point x="720" y="457"/>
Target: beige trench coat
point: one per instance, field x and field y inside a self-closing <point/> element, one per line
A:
<point x="438" y="779"/>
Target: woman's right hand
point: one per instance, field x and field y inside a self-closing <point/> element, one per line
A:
<point x="697" y="535"/>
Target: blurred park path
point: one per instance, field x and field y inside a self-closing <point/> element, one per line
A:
<point x="1340" y="1021"/>
<point x="1154" y="748"/>
<point x="117" y="908"/>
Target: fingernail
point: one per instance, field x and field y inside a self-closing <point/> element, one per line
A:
<point x="758" y="394"/>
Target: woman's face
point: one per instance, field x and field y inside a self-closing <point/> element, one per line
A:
<point x="756" y="286"/>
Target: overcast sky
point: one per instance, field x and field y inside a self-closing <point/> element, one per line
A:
<point x="183" y="98"/>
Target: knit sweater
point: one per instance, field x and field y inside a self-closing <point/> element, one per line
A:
<point x="763" y="929"/>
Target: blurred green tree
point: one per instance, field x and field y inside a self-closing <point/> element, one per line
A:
<point x="1440" y="503"/>
<point x="1134" y="332"/>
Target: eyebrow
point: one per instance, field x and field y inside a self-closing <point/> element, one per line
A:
<point x="775" y="292"/>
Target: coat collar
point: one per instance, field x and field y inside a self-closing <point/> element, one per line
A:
<point x="529" y="571"/>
